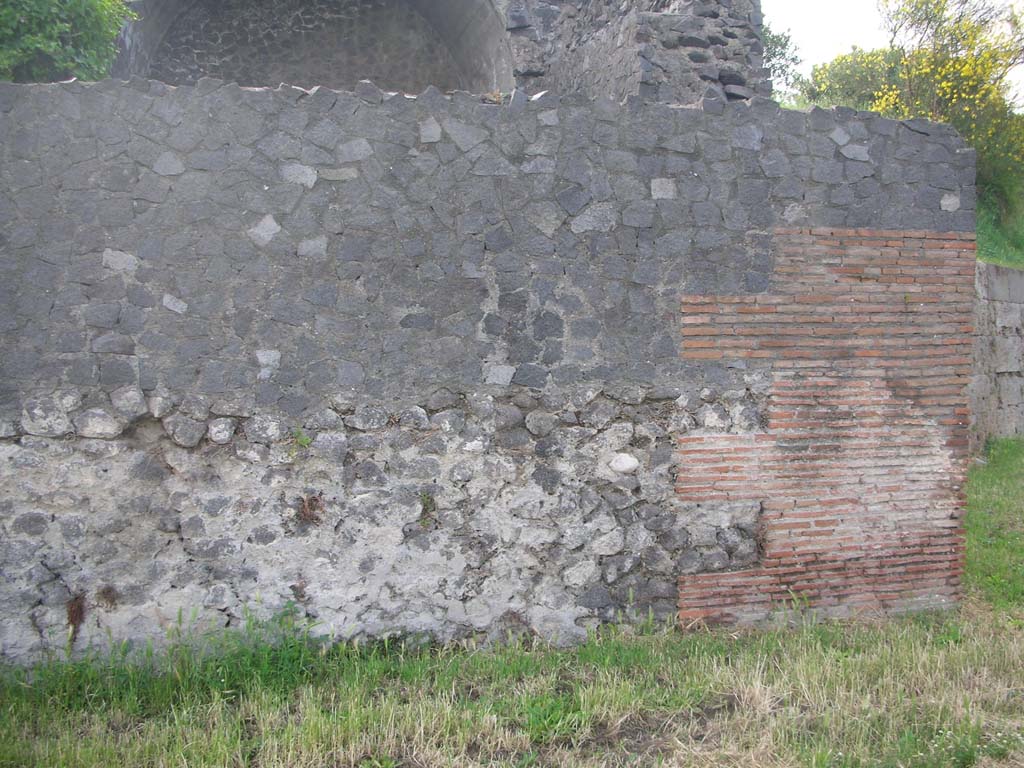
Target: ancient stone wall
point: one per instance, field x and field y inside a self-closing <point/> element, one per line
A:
<point x="997" y="391"/>
<point x="859" y="461"/>
<point x="403" y="45"/>
<point x="681" y="52"/>
<point x="685" y="52"/>
<point x="304" y="43"/>
<point x="436" y="364"/>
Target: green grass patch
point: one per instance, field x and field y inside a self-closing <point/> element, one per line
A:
<point x="995" y="525"/>
<point x="1000" y="234"/>
<point x="926" y="691"/>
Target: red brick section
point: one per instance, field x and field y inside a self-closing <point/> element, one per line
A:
<point x="860" y="467"/>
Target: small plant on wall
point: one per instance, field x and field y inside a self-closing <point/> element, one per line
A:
<point x="47" y="40"/>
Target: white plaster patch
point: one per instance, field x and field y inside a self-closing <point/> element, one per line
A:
<point x="597" y="217"/>
<point x="220" y="431"/>
<point x="338" y="174"/>
<point x="663" y="189"/>
<point x="264" y="231"/>
<point x="624" y="463"/>
<point x="499" y="374"/>
<point x="610" y="543"/>
<point x="316" y="246"/>
<point x="175" y="304"/>
<point x="269" y="360"/>
<point x="582" y="573"/>
<point x="129" y="400"/>
<point x="430" y="131"/>
<point x="295" y="173"/>
<point x="169" y="164"/>
<point x="794" y="212"/>
<point x="856" y="152"/>
<point x="97" y="423"/>
<point x="119" y="261"/>
<point x="840" y="136"/>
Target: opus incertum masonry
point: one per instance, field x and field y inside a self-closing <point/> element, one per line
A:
<point x="561" y="321"/>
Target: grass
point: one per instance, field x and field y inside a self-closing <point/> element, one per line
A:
<point x="995" y="526"/>
<point x="927" y="691"/>
<point x="1000" y="236"/>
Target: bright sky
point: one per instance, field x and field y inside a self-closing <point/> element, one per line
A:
<point x="822" y="29"/>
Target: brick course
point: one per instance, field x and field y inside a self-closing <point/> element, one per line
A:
<point x="860" y="465"/>
<point x="472" y="310"/>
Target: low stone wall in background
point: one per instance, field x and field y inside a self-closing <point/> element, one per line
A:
<point x="997" y="390"/>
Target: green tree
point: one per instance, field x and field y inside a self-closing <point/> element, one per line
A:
<point x="949" y="61"/>
<point x="853" y="79"/>
<point x="781" y="58"/>
<point x="956" y="57"/>
<point x="46" y="40"/>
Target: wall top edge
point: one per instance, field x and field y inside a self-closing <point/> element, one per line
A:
<point x="997" y="272"/>
<point x="519" y="101"/>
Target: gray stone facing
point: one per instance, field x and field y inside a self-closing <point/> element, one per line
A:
<point x="678" y="53"/>
<point x="424" y="524"/>
<point x="997" y="386"/>
<point x="264" y="42"/>
<point x="431" y="321"/>
<point x="98" y="423"/>
<point x="673" y="52"/>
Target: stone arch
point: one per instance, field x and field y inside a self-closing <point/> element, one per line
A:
<point x="400" y="44"/>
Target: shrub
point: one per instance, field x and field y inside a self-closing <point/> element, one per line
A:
<point x="949" y="61"/>
<point x="780" y="57"/>
<point x="47" y="40"/>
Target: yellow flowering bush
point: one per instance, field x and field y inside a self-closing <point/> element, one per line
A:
<point x="949" y="61"/>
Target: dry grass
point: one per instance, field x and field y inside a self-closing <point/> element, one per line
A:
<point x="921" y="692"/>
<point x="924" y="691"/>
